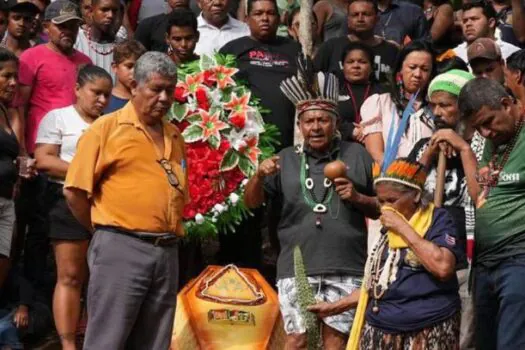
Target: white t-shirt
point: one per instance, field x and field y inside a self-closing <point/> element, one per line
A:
<point x="62" y="126"/>
<point x="212" y="38"/>
<point x="506" y="49"/>
<point x="94" y="51"/>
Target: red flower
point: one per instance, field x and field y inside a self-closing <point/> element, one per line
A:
<point x="207" y="81"/>
<point x="180" y="94"/>
<point x="238" y="120"/>
<point x="202" y="99"/>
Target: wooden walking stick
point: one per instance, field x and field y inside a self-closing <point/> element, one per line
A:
<point x="440" y="179"/>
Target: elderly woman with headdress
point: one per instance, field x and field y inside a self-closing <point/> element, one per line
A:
<point x="409" y="299"/>
<point x="322" y="215"/>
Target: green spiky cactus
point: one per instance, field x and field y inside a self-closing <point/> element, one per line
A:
<point x="306" y="298"/>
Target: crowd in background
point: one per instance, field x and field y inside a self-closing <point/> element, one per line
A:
<point x="61" y="69"/>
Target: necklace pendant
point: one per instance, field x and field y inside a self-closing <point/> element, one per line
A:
<point x="375" y="309"/>
<point x="318" y="222"/>
<point x="309" y="183"/>
<point x="320" y="208"/>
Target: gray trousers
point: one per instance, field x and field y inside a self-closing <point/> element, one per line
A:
<point x="132" y="293"/>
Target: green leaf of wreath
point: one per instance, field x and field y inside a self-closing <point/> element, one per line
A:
<point x="207" y="62"/>
<point x="214" y="142"/>
<point x="192" y="133"/>
<point x="246" y="166"/>
<point x="177" y="111"/>
<point x="230" y="160"/>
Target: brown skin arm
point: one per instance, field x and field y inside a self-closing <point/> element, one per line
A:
<point x="375" y="146"/>
<point x="518" y="20"/>
<point x="346" y="191"/>
<point x="346" y="303"/>
<point x="468" y="158"/>
<point x="254" y="191"/>
<point x="80" y="206"/>
<point x="25" y="94"/>
<point x="440" y="262"/>
<point x="444" y="19"/>
<point x="241" y="11"/>
<point x="47" y="160"/>
<point x="323" y="10"/>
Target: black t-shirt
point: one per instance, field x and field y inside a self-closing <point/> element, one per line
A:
<point x="328" y="58"/>
<point x="151" y="32"/>
<point x="264" y="66"/>
<point x="348" y="106"/>
<point x="339" y="245"/>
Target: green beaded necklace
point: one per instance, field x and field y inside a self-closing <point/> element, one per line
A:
<point x="318" y="207"/>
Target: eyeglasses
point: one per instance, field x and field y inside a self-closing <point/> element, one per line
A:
<point x="172" y="178"/>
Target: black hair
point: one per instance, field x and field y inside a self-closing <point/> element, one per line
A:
<point x="479" y="93"/>
<point x="439" y="2"/>
<point x="7" y="56"/>
<point x="361" y="47"/>
<point x="488" y="10"/>
<point x="449" y="64"/>
<point x="293" y="13"/>
<point x="181" y="18"/>
<point x="516" y="61"/>
<point x="373" y="2"/>
<point x="96" y="2"/>
<point x="414" y="46"/>
<point x="89" y="73"/>
<point x="250" y="4"/>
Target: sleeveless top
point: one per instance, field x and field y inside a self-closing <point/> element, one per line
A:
<point x="334" y="26"/>
<point x="9" y="150"/>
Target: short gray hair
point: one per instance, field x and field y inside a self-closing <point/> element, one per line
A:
<point x="154" y="62"/>
<point x="479" y="93"/>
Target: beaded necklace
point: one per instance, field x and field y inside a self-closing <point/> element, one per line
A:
<point x="94" y="48"/>
<point x="310" y="198"/>
<point x="495" y="169"/>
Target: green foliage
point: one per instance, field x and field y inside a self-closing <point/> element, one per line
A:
<point x="306" y="298"/>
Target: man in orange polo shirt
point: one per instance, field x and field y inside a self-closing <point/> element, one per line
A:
<point x="128" y="184"/>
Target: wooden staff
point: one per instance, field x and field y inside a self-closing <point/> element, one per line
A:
<point x="440" y="179"/>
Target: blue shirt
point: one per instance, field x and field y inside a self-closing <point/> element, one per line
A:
<point x="402" y="19"/>
<point x="115" y="103"/>
<point x="417" y="300"/>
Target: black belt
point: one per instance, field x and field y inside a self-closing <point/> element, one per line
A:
<point x="152" y="238"/>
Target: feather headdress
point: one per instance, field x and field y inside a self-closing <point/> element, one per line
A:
<point x="402" y="171"/>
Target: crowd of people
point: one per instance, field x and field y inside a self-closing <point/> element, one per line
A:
<point x="416" y="245"/>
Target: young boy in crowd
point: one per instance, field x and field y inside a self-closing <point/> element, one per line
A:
<point x="124" y="58"/>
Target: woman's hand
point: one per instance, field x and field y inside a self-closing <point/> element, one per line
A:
<point x="393" y="221"/>
<point x="357" y="133"/>
<point x="324" y="309"/>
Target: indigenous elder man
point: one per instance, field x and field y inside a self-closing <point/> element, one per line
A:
<point x="499" y="260"/>
<point x="127" y="182"/>
<point x="326" y="220"/>
<point x="443" y="94"/>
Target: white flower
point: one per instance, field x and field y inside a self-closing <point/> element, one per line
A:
<point x="214" y="219"/>
<point x="219" y="208"/>
<point x="244" y="182"/>
<point x="234" y="198"/>
<point x="199" y="219"/>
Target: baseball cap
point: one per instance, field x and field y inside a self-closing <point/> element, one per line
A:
<point x="62" y="11"/>
<point x="484" y="48"/>
<point x="18" y="6"/>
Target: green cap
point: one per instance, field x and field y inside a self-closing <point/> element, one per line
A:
<point x="451" y="82"/>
